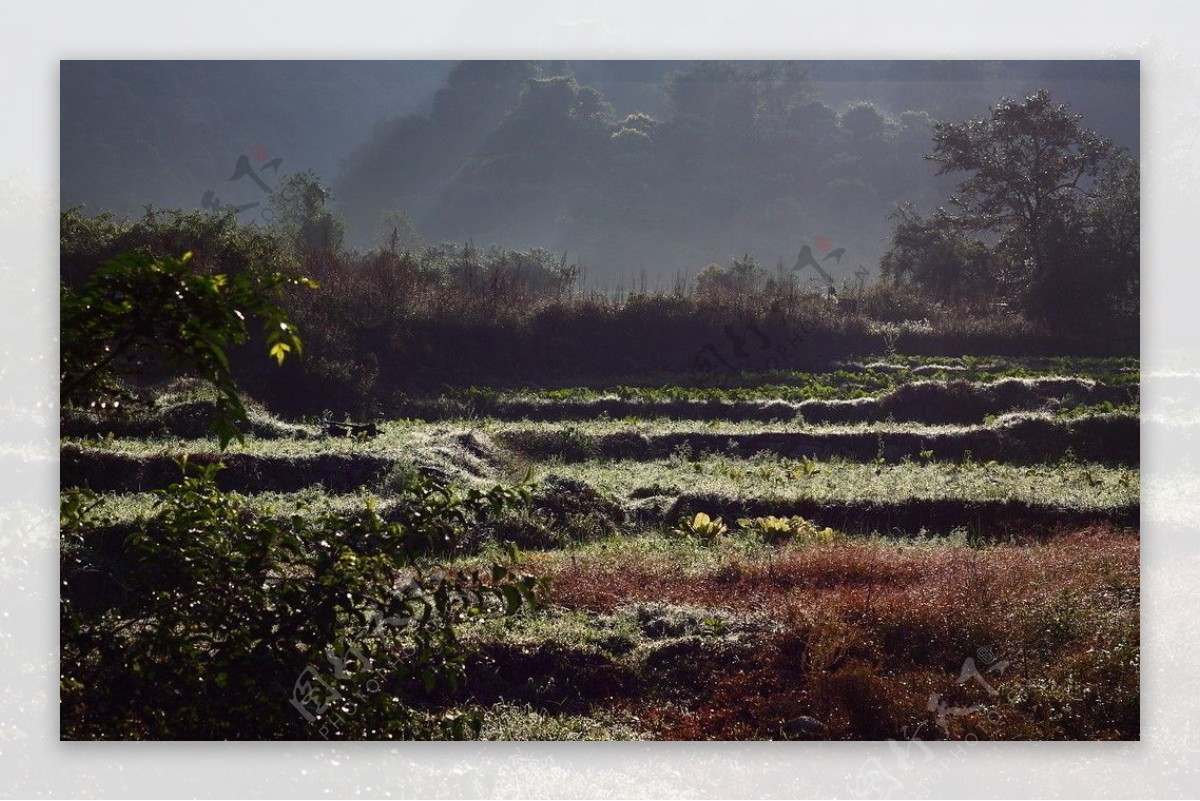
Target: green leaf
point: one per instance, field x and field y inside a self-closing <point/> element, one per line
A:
<point x="512" y="599"/>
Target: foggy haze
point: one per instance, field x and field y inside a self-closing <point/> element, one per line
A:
<point x="636" y="170"/>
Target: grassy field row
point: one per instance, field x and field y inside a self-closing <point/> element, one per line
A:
<point x="1021" y="439"/>
<point x="411" y="436"/>
<point x="779" y="455"/>
<point x="580" y="502"/>
<point x="1068" y="486"/>
<point x="923" y="401"/>
<point x="845" y="381"/>
<point x="1084" y="486"/>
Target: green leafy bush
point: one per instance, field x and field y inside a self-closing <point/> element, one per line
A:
<point x="221" y="623"/>
<point x="220" y="242"/>
<point x="136" y="310"/>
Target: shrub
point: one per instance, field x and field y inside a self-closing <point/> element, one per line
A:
<point x="219" y="242"/>
<point x="743" y="277"/>
<point x="136" y="309"/>
<point x="218" y="617"/>
<point x="936" y="255"/>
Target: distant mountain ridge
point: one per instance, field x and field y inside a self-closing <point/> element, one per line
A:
<point x="632" y="166"/>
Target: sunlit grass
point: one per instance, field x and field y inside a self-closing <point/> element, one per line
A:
<point x="512" y="722"/>
<point x="1067" y="485"/>
<point x="863" y="378"/>
<point x="394" y="436"/>
<point x="660" y="426"/>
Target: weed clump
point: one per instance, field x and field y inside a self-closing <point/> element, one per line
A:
<point x="774" y="530"/>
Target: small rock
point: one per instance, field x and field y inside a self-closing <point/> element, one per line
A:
<point x="803" y="728"/>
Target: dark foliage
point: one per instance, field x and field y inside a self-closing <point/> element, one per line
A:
<point x="1060" y="205"/>
<point x="210" y="621"/>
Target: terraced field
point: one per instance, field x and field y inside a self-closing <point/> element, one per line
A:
<point x="901" y="547"/>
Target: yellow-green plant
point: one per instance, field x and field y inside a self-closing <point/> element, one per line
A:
<point x="773" y="529"/>
<point x="701" y="527"/>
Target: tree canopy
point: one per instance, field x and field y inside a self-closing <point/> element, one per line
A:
<point x="1060" y="203"/>
<point x="1030" y="163"/>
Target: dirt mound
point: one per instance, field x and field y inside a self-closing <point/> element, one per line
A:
<point x="562" y="511"/>
<point x="956" y="401"/>
<point x="616" y="408"/>
<point x="961" y="402"/>
<point x="678" y="668"/>
<point x="455" y="455"/>
<point x="549" y="675"/>
<point x="460" y="455"/>
<point x="114" y="471"/>
<point x="873" y="367"/>
<point x="564" y="498"/>
<point x="189" y="419"/>
<point x="1015" y="439"/>
<point x="934" y="369"/>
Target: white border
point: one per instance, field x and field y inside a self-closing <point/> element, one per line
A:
<point x="32" y="760"/>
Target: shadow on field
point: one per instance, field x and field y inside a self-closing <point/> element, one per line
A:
<point x="990" y="519"/>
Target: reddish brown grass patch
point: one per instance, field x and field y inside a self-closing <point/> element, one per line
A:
<point x="872" y="633"/>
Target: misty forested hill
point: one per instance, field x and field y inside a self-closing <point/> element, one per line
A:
<point x="164" y="132"/>
<point x="630" y="166"/>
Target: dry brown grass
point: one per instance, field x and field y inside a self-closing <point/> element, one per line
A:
<point x="870" y="631"/>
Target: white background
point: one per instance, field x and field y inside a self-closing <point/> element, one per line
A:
<point x="1166" y="763"/>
